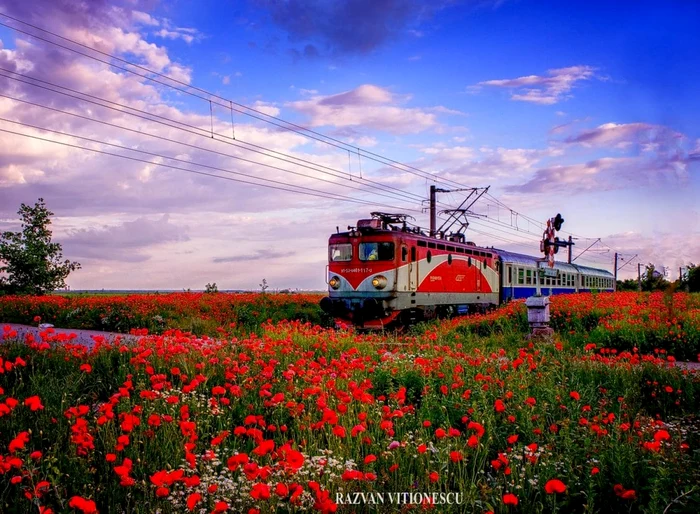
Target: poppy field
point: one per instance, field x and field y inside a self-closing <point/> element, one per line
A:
<point x="461" y="415"/>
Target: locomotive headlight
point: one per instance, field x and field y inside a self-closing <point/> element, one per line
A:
<point x="334" y="282"/>
<point x="379" y="282"/>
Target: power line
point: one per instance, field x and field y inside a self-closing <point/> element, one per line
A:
<point x="235" y="143"/>
<point x="166" y="124"/>
<point x="250" y="161"/>
<point x="258" y="114"/>
<point x="309" y="191"/>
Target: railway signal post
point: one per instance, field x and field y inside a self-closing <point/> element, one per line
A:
<point x="538" y="305"/>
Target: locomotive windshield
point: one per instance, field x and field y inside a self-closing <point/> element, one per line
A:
<point x="340" y="253"/>
<point x="376" y="251"/>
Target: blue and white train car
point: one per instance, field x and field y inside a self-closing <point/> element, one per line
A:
<point x="518" y="279"/>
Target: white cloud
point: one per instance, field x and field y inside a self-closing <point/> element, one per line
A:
<point x="371" y="107"/>
<point x="544" y="90"/>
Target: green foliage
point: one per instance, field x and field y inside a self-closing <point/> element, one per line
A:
<point x="653" y="280"/>
<point x="32" y="262"/>
<point x="690" y="281"/>
<point x="627" y="285"/>
<point x="211" y="288"/>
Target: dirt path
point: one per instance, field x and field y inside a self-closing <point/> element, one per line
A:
<point x="84" y="337"/>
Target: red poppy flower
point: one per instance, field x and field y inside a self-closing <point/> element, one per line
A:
<point x="34" y="403"/>
<point x="87" y="506"/>
<point x="260" y="492"/>
<point x="510" y="499"/>
<point x="554" y="486"/>
<point x="192" y="500"/>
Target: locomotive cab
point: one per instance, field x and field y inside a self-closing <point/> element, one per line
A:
<point x="362" y="274"/>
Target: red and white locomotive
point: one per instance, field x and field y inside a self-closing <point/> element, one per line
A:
<point x="383" y="273"/>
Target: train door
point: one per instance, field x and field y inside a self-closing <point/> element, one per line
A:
<point x="412" y="269"/>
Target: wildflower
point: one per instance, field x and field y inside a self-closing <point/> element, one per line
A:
<point x="575" y="395"/>
<point x="510" y="499"/>
<point x="221" y="506"/>
<point x="499" y="406"/>
<point x="34" y="403"/>
<point x="554" y="486"/>
<point x="260" y="491"/>
<point x="18" y="442"/>
<point x="661" y="435"/>
<point x="80" y="503"/>
<point x="192" y="500"/>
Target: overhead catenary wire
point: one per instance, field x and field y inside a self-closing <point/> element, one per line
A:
<point x="155" y="135"/>
<point x="254" y="113"/>
<point x="193" y="129"/>
<point x="283" y="187"/>
<point x="213" y="98"/>
<point x="196" y="147"/>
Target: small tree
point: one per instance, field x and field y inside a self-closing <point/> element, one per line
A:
<point x="32" y="263"/>
<point x="263" y="286"/>
<point x="690" y="281"/>
<point x="211" y="288"/>
<point x="653" y="280"/>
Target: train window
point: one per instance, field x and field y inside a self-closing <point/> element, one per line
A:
<point x="431" y="245"/>
<point x="528" y="276"/>
<point x="521" y="276"/>
<point x="404" y="253"/>
<point x="376" y="251"/>
<point x="440" y="247"/>
<point x="469" y="261"/>
<point x="559" y="279"/>
<point x="460" y="250"/>
<point x="449" y="258"/>
<point x="484" y="263"/>
<point x="340" y="253"/>
<point x="422" y="244"/>
<point x="450" y="248"/>
<point x="429" y="257"/>
<point x="468" y="252"/>
<point x="510" y="275"/>
<point x="413" y="253"/>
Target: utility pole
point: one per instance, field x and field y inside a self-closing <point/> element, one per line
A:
<point x="615" y="284"/>
<point x="639" y="275"/>
<point x="432" y="211"/>
<point x="571" y="245"/>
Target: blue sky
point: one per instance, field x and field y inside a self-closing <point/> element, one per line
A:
<point x="584" y="108"/>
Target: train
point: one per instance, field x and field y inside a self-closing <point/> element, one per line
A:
<point x="383" y="274"/>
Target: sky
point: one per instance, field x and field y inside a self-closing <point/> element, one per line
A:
<point x="588" y="109"/>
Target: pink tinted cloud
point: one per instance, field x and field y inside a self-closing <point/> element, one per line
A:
<point x="543" y="89"/>
<point x="370" y="107"/>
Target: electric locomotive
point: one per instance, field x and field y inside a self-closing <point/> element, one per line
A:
<point x="383" y="273"/>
